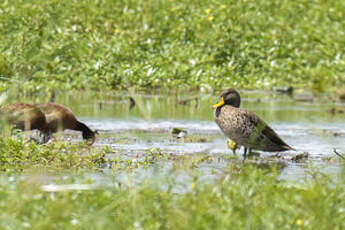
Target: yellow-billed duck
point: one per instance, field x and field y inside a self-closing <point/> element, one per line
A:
<point x="25" y="117"/>
<point x="60" y="118"/>
<point x="245" y="128"/>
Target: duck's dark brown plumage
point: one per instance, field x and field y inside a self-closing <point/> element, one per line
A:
<point x="24" y="116"/>
<point x="245" y="128"/>
<point x="60" y="117"/>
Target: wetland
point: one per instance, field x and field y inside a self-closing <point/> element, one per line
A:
<point x="140" y="175"/>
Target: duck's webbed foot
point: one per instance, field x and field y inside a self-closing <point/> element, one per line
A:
<point x="250" y="153"/>
<point x="233" y="146"/>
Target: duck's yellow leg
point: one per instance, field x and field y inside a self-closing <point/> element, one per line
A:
<point x="232" y="145"/>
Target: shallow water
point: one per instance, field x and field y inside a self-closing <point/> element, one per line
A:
<point x="306" y="126"/>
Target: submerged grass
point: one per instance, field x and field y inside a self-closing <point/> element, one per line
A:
<point x="49" y="44"/>
<point x="250" y="198"/>
<point x="18" y="155"/>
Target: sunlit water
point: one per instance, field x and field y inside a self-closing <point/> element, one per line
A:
<point x="307" y="127"/>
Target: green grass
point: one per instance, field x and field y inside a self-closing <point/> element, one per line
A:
<point x="151" y="44"/>
<point x="247" y="198"/>
<point x="17" y="155"/>
<point x="243" y="196"/>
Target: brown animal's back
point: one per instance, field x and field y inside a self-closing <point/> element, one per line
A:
<point x="58" y="116"/>
<point x="24" y="116"/>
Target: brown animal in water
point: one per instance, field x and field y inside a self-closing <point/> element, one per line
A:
<point x="25" y="117"/>
<point x="60" y="118"/>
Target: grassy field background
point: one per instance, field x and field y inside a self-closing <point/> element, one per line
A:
<point x="151" y="44"/>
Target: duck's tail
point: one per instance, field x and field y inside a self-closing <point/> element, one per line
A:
<point x="287" y="147"/>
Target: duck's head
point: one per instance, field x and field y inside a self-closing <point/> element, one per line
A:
<point x="229" y="97"/>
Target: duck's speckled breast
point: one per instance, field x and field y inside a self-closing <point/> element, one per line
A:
<point x="235" y="123"/>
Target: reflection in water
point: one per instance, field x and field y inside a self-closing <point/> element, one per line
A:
<point x="308" y="127"/>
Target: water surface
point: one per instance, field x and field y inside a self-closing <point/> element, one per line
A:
<point x="306" y="126"/>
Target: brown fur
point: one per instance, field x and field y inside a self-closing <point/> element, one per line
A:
<point x="60" y="118"/>
<point x="24" y="116"/>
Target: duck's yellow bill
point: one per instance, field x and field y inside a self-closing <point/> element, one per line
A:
<point x="219" y="104"/>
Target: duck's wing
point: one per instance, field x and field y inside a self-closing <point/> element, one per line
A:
<point x="264" y="137"/>
<point x="275" y="138"/>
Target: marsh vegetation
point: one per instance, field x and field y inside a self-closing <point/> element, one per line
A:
<point x="165" y="44"/>
<point x="140" y="174"/>
<point x="144" y="75"/>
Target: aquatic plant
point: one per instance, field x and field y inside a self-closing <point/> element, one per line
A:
<point x="245" y="198"/>
<point x="201" y="45"/>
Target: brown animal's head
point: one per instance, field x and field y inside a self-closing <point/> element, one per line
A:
<point x="87" y="133"/>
